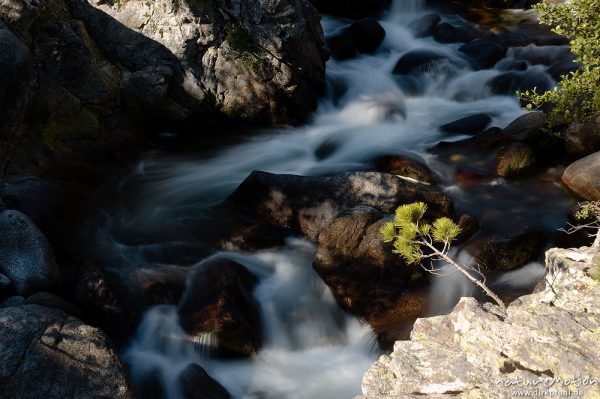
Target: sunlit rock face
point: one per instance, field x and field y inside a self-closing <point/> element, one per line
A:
<point x="478" y="351"/>
<point x="83" y="76"/>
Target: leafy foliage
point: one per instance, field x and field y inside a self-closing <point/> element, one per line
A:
<point x="408" y="231"/>
<point x="578" y="94"/>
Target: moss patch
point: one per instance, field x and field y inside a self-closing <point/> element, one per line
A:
<point x="81" y="126"/>
<point x="244" y="49"/>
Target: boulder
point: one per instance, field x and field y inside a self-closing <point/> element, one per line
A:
<point x="507" y="252"/>
<point x="514" y="159"/>
<point x="364" y="275"/>
<point x="446" y="33"/>
<point x="307" y="204"/>
<point x="469" y="225"/>
<point x="53" y="301"/>
<point x="583" y="139"/>
<point x="5" y="283"/>
<point x="49" y="354"/>
<point x="218" y="303"/>
<point x="195" y="383"/>
<point x="404" y="166"/>
<point x="484" y="52"/>
<point x="425" y="25"/>
<point x="563" y="68"/>
<point x="509" y="82"/>
<point x="367" y="35"/>
<point x="527" y="127"/>
<point x="478" y="350"/>
<point x="583" y="177"/>
<point x="26" y="257"/>
<point x="472" y="124"/>
<point x="341" y="46"/>
<point x="417" y="61"/>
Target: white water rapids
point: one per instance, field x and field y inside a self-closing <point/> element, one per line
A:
<point x="312" y="350"/>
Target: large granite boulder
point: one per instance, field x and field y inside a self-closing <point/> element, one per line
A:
<point x="583" y="177"/>
<point x="46" y="353"/>
<point x="307" y="204"/>
<point x="87" y="78"/>
<point x="479" y="351"/>
<point x="26" y="257"/>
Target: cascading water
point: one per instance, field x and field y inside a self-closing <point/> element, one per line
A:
<point x="311" y="349"/>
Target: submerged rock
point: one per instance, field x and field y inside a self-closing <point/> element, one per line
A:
<point x="472" y="124"/>
<point x="367" y="34"/>
<point x="484" y="52"/>
<point x="49" y="354"/>
<point x="197" y="384"/>
<point x="477" y="350"/>
<point x="218" y="304"/>
<point x="307" y="204"/>
<point x="26" y="257"/>
<point x="417" y="61"/>
<point x="583" y="177"/>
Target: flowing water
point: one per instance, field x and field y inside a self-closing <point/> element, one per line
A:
<point x="312" y="349"/>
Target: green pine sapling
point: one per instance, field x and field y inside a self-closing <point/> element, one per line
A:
<point x="419" y="242"/>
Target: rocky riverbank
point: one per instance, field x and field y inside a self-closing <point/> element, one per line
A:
<point x="548" y="339"/>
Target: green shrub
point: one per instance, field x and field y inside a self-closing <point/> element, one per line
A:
<point x="578" y="93"/>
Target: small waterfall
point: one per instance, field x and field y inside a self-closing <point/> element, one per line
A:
<point x="304" y="328"/>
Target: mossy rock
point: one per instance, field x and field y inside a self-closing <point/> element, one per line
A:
<point x="514" y="160"/>
<point x="243" y="48"/>
<point x="61" y="128"/>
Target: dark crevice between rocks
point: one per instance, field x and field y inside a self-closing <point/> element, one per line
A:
<point x="511" y="365"/>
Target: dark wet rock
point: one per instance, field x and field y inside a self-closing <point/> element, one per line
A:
<point x="467" y="177"/>
<point x="50" y="300"/>
<point x="14" y="301"/>
<point x="525" y="128"/>
<point x="418" y="61"/>
<point x="342" y="47"/>
<point x="327" y="148"/>
<point x="512" y="65"/>
<point x="484" y="52"/>
<point x="39" y="199"/>
<point x="510" y="82"/>
<point x="367" y="35"/>
<point x="49" y="354"/>
<point x="514" y="159"/>
<point x="543" y="55"/>
<point x="469" y="225"/>
<point x="218" y="302"/>
<point x="583" y="139"/>
<point x="404" y="166"/>
<point x="364" y="275"/>
<point x="446" y="33"/>
<point x="95" y="295"/>
<point x="468" y="125"/>
<point x="563" y="68"/>
<point x="257" y="236"/>
<point x="484" y="140"/>
<point x="583" y="177"/>
<point x="26" y="257"/>
<point x="308" y="204"/>
<point x="351" y="8"/>
<point x="5" y="283"/>
<point x="425" y="25"/>
<point x="507" y="252"/>
<point x="197" y="384"/>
